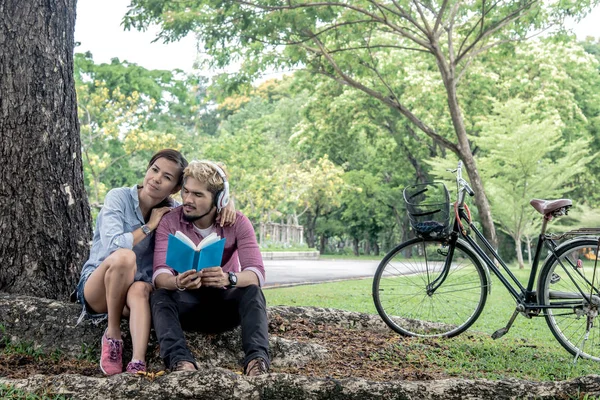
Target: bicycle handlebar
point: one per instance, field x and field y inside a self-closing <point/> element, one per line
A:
<point x="460" y="182"/>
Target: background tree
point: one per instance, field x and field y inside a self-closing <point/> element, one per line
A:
<point x="45" y="216"/>
<point x="126" y="113"/>
<point x="353" y="43"/>
<point x="113" y="129"/>
<point x="527" y="159"/>
<point x="378" y="152"/>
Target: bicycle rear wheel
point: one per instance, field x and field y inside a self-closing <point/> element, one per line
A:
<point x="573" y="319"/>
<point x="416" y="296"/>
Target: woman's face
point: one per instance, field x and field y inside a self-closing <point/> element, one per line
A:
<point x="160" y="180"/>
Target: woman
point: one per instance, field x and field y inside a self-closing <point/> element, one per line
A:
<point x="116" y="280"/>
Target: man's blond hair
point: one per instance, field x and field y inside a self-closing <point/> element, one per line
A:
<point x="205" y="172"/>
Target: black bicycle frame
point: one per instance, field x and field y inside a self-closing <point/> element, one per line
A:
<point x="526" y="296"/>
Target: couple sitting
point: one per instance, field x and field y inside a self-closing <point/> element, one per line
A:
<point x="127" y="274"/>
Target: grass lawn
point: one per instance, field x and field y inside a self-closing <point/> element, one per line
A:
<point x="7" y="392"/>
<point x="527" y="351"/>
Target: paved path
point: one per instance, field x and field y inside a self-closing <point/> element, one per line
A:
<point x="287" y="272"/>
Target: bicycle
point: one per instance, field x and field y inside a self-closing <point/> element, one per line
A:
<point x="437" y="284"/>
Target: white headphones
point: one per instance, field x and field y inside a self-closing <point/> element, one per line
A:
<point x="222" y="196"/>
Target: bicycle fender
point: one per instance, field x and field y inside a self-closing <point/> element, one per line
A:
<point x="566" y="243"/>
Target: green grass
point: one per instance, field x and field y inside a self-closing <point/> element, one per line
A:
<point x="8" y="392"/>
<point x="527" y="351"/>
<point x="27" y="349"/>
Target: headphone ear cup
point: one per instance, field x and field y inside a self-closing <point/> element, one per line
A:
<point x="217" y="199"/>
<point x="222" y="197"/>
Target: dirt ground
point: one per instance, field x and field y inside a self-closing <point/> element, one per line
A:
<point x="373" y="355"/>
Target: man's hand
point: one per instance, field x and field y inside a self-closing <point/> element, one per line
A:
<point x="214" y="277"/>
<point x="189" y="280"/>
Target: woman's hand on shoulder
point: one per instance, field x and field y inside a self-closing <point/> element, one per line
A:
<point x="227" y="215"/>
<point x="156" y="216"/>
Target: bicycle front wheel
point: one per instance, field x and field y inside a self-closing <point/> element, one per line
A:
<point x="418" y="294"/>
<point x="569" y="283"/>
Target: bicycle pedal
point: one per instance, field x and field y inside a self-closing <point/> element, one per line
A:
<point x="554" y="278"/>
<point x="442" y="252"/>
<point x="499" y="333"/>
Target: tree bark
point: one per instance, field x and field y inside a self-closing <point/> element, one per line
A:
<point x="519" y="250"/>
<point x="376" y="249"/>
<point x="528" y="239"/>
<point x="481" y="201"/>
<point x="463" y="147"/>
<point x="310" y="229"/>
<point x="355" y="248"/>
<point x="322" y="244"/>
<point x="45" y="217"/>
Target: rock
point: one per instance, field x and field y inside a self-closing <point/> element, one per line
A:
<point x="50" y="325"/>
<point x="330" y="316"/>
<point x="219" y="383"/>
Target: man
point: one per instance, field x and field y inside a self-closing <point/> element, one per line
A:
<point x="214" y="299"/>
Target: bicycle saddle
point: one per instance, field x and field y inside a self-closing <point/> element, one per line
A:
<point x="546" y="207"/>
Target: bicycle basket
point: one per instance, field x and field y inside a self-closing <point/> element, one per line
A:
<point x="428" y="207"/>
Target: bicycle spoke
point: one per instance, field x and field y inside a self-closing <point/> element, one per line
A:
<point x="573" y="280"/>
<point x="415" y="295"/>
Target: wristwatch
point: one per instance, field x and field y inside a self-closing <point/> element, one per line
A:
<point x="146" y="229"/>
<point x="232" y="279"/>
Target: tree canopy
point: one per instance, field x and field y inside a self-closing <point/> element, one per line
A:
<point x="369" y="45"/>
<point x="281" y="137"/>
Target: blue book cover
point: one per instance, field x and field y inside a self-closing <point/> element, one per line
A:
<point x="183" y="255"/>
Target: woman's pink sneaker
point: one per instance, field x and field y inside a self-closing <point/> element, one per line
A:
<point x="111" y="359"/>
<point x="136" y="366"/>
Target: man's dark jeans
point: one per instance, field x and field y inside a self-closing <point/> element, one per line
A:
<point x="209" y="310"/>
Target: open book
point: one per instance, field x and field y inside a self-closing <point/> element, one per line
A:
<point x="183" y="254"/>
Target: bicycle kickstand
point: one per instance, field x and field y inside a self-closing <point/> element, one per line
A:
<point x="502" y="331"/>
<point x="583" y="341"/>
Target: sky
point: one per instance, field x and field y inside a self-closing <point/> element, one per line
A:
<point x="98" y="29"/>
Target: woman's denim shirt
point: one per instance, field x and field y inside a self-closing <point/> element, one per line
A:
<point x="119" y="217"/>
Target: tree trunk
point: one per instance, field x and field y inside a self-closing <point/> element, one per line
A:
<point x="463" y="150"/>
<point x="519" y="250"/>
<point x="45" y="216"/>
<point x="529" y="249"/>
<point x="322" y="244"/>
<point x="355" y="247"/>
<point x="310" y="229"/>
<point x="376" y="249"/>
<point x="481" y="201"/>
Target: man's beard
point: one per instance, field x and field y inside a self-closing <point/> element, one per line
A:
<point x="192" y="218"/>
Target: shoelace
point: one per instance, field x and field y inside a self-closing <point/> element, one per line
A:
<point x="138" y="366"/>
<point x="114" y="347"/>
<point x="260" y="364"/>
